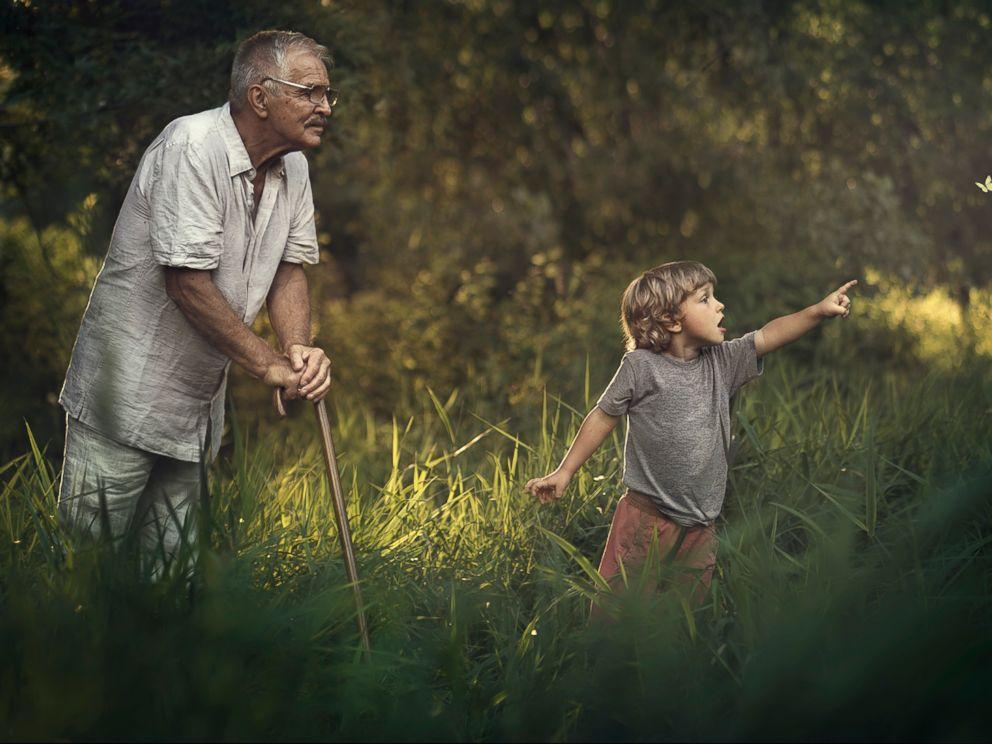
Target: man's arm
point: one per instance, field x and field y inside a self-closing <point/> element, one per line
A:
<point x="597" y="425"/>
<point x="781" y="331"/>
<point x="209" y="313"/>
<point x="289" y="305"/>
<point x="289" y="312"/>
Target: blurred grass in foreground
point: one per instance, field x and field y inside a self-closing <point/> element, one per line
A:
<point x="852" y="597"/>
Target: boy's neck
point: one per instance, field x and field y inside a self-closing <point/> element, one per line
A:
<point x="681" y="349"/>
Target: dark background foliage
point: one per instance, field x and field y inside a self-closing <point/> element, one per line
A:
<point x="494" y="176"/>
<point x="496" y="172"/>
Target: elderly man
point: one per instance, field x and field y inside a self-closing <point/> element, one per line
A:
<point x="219" y="218"/>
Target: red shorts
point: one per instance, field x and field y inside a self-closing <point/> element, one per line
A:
<point x="636" y="524"/>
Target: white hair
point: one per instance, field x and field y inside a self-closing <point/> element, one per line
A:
<point x="264" y="55"/>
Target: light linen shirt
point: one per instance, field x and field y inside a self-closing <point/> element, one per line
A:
<point x="140" y="373"/>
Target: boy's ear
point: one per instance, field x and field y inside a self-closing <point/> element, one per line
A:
<point x="670" y="324"/>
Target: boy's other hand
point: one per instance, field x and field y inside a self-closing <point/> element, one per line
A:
<point x="549" y="487"/>
<point x="837" y="302"/>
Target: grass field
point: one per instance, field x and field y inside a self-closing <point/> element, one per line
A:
<point x="851" y="600"/>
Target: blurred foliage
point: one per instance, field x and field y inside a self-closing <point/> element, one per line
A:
<point x="496" y="172"/>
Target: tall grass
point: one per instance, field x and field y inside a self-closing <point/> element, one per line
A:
<point x="851" y="597"/>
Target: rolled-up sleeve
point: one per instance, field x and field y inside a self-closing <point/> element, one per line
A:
<point x="186" y="222"/>
<point x="301" y="245"/>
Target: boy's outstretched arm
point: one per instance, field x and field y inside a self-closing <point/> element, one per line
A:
<point x="597" y="425"/>
<point x="781" y="331"/>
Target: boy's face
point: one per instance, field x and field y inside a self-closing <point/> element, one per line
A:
<point x="702" y="313"/>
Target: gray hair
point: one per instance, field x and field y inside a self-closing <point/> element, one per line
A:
<point x="264" y="55"/>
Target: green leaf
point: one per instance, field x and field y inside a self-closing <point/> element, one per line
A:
<point x="805" y="519"/>
<point x="576" y="556"/>
<point x="442" y="414"/>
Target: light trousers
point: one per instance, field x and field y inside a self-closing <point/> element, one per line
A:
<point x="107" y="485"/>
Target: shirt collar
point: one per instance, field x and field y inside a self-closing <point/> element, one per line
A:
<point x="237" y="155"/>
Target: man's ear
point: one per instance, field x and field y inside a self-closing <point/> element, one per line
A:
<point x="258" y="101"/>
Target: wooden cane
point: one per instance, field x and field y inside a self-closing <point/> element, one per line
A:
<point x="340" y="510"/>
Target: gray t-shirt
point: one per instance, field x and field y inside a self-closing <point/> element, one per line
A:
<point x="678" y="430"/>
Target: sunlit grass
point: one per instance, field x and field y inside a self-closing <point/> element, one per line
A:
<point x="851" y="597"/>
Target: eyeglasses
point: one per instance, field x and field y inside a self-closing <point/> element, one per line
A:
<point x="315" y="93"/>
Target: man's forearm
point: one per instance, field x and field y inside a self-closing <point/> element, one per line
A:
<point x="595" y="428"/>
<point x="209" y="313"/>
<point x="289" y="305"/>
<point x="781" y="331"/>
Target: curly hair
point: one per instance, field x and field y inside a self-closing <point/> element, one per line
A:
<point x="656" y="297"/>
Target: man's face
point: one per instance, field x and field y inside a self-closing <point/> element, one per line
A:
<point x="292" y="116"/>
<point x="702" y="313"/>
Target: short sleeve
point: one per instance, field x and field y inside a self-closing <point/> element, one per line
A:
<point x="616" y="399"/>
<point x="185" y="213"/>
<point x="301" y="245"/>
<point x="738" y="361"/>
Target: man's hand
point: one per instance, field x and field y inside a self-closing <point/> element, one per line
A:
<point x="549" y="487"/>
<point x="836" y="303"/>
<point x="280" y="374"/>
<point x="314" y="368"/>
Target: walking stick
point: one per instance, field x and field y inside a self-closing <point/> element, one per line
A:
<point x="340" y="511"/>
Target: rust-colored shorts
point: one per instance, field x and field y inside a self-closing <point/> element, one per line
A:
<point x="635" y="522"/>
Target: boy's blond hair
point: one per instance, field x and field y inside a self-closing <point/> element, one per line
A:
<point x="656" y="297"/>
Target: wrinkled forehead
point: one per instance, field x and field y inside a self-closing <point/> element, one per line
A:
<point x="303" y="66"/>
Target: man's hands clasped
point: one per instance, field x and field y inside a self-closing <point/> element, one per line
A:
<point x="314" y="368"/>
<point x="305" y="372"/>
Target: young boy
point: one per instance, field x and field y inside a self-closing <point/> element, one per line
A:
<point x="674" y="385"/>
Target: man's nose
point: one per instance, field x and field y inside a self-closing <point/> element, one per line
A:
<point x="324" y="108"/>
